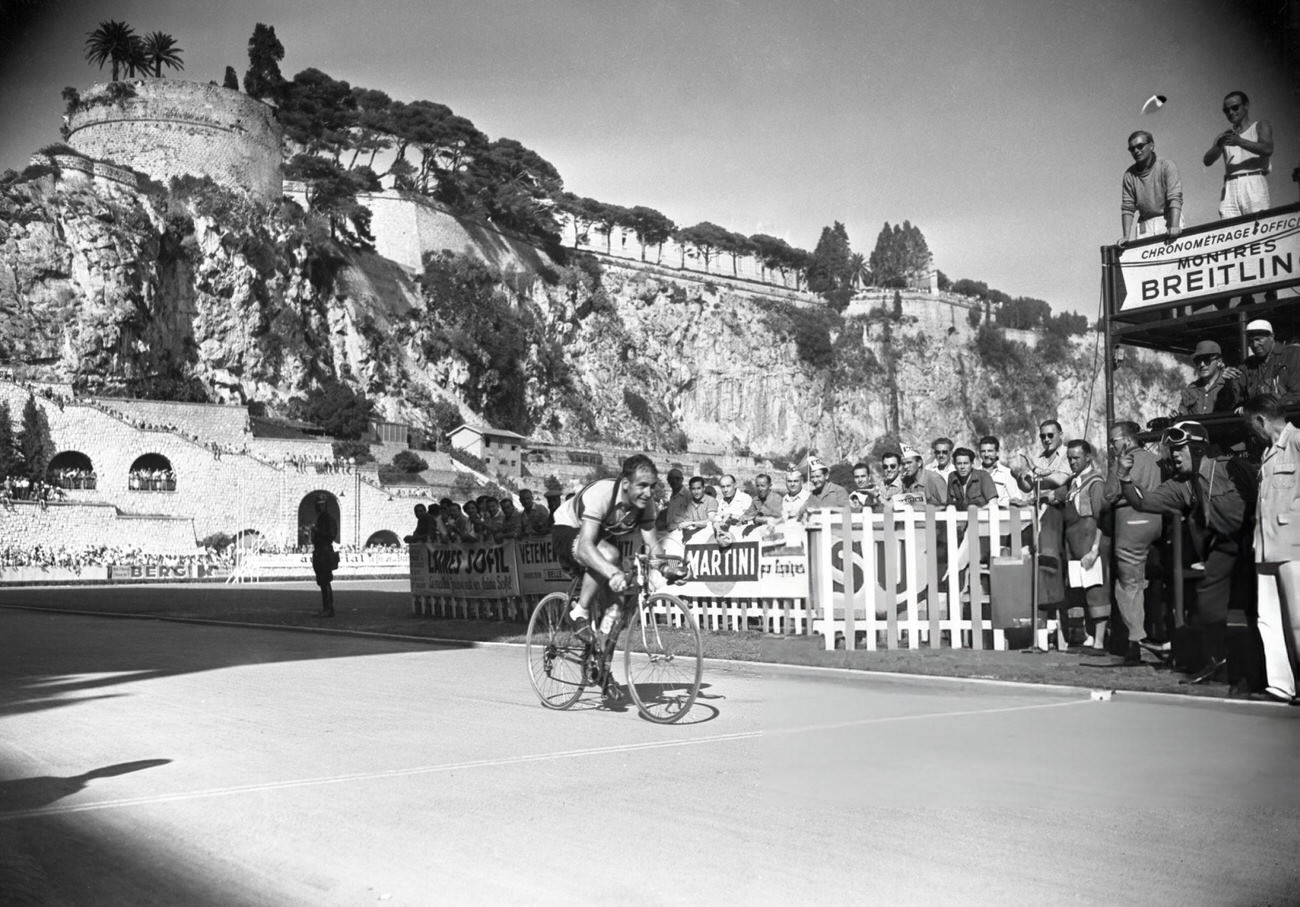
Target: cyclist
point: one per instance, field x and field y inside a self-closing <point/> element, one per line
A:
<point x="587" y="529"/>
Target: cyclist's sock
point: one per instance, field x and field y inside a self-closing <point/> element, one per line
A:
<point x="577" y="612"/>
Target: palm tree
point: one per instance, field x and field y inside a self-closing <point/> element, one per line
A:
<point x="160" y="50"/>
<point x="113" y="42"/>
<point x="859" y="270"/>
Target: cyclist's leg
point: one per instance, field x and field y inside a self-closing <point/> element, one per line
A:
<point x="595" y="589"/>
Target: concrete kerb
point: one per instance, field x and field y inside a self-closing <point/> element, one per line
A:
<point x="894" y="677"/>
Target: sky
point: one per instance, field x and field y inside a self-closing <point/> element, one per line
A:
<point x="998" y="127"/>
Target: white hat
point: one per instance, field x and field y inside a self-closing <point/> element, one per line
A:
<point x="815" y="463"/>
<point x="1259" y="326"/>
<point x="911" y="453"/>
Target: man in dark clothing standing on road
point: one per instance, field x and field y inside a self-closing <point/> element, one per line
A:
<point x="1217" y="497"/>
<point x="323" y="558"/>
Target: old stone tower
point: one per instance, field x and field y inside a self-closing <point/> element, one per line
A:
<point x="168" y="127"/>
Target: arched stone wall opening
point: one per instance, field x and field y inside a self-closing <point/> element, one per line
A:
<point x="307" y="516"/>
<point x="73" y="470"/>
<point x="383" y="537"/>
<point x="151" y="472"/>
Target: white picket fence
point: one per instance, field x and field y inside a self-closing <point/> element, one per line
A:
<point x="918" y="585"/>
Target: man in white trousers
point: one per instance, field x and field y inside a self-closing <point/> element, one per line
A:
<point x="1277" y="543"/>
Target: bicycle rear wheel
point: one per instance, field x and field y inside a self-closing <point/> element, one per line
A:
<point x="663" y="658"/>
<point x="555" y="656"/>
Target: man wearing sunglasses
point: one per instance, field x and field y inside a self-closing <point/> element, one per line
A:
<point x="1151" y="193"/>
<point x="1211" y="392"/>
<point x="891" y="471"/>
<point x="1216" y="496"/>
<point x="1049" y="469"/>
<point x="1246" y="149"/>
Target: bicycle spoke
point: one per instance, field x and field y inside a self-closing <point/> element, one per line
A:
<point x="664" y="662"/>
<point x="555" y="656"/>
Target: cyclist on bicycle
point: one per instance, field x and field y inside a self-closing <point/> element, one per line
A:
<point x="588" y="527"/>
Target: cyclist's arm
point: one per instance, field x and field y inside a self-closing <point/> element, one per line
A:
<point x="587" y="551"/>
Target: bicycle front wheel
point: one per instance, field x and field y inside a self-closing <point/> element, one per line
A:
<point x="663" y="658"/>
<point x="555" y="656"/>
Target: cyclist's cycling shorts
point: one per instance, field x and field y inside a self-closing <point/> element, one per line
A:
<point x="564" y="539"/>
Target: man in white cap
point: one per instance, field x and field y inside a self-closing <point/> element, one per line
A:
<point x="1211" y="392"/>
<point x="1271" y="368"/>
<point x="920" y="485"/>
<point x="1245" y="148"/>
<point x="824" y="493"/>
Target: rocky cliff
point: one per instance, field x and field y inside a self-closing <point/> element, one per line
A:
<point x="196" y="291"/>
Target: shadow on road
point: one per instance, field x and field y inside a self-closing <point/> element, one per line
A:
<point x="49" y="656"/>
<point x="32" y="793"/>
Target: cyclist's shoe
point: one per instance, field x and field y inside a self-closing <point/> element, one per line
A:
<point x="612" y="691"/>
<point x="582" y="629"/>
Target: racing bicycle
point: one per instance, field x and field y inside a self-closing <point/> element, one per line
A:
<point x="662" y="657"/>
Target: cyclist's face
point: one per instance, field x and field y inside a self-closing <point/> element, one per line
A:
<point x="640" y="488"/>
<point x="764" y="485"/>
<point x="963" y="465"/>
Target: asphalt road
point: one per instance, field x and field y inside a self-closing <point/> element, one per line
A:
<point x="144" y="762"/>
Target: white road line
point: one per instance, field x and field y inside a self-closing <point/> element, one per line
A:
<point x="838" y="725"/>
<point x="493" y="763"/>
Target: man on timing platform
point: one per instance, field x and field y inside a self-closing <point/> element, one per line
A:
<point x="588" y="527"/>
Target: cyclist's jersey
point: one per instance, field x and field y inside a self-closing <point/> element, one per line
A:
<point x="599" y="501"/>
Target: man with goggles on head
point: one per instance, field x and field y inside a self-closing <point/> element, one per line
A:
<point x="1216" y="495"/>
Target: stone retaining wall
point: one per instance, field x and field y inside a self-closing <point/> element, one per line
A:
<point x="170" y="127"/>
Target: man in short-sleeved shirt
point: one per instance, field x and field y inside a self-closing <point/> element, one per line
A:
<point x="1049" y="468"/>
<point x="589" y="525"/>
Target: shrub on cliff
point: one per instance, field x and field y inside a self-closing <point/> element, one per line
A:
<point x="409" y="461"/>
<point x="809" y="328"/>
<point x="357" y="451"/>
<point x="469" y="315"/>
<point x="1020" y="383"/>
<point x="337" y="409"/>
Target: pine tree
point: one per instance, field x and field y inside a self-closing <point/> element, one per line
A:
<point x="9" y="462"/>
<point x="831" y="265"/>
<point x="35" y="445"/>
